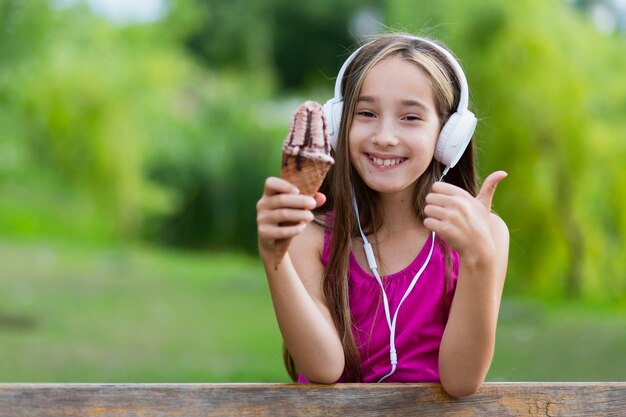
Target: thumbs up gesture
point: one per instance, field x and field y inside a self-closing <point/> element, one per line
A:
<point x="462" y="220"/>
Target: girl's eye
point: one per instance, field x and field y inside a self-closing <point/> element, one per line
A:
<point x="365" y="113"/>
<point x="412" y="118"/>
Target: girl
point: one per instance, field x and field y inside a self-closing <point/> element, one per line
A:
<point x="382" y="212"/>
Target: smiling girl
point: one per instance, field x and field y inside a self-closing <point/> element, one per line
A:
<point x="392" y="275"/>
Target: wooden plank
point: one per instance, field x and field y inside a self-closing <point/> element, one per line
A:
<point x="191" y="400"/>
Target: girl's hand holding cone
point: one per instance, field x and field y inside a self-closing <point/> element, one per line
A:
<point x="282" y="213"/>
<point x="285" y="208"/>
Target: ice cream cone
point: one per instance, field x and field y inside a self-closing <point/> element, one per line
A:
<point x="307" y="175"/>
<point x="306" y="157"/>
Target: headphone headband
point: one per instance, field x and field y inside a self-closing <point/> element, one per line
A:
<point x="456" y="67"/>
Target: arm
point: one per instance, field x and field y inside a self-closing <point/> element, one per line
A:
<point x="468" y="342"/>
<point x="295" y="286"/>
<point x="482" y="241"/>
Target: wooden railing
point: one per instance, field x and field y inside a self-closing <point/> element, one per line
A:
<point x="190" y="400"/>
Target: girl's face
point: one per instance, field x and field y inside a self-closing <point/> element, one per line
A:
<point x="395" y="127"/>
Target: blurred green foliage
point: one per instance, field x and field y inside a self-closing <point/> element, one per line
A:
<point x="164" y="132"/>
<point x="298" y="41"/>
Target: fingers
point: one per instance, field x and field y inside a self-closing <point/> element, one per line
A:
<point x="442" y="218"/>
<point x="276" y="232"/>
<point x="485" y="196"/>
<point x="320" y="199"/>
<point x="449" y="209"/>
<point x="434" y="225"/>
<point x="288" y="216"/>
<point x="280" y="193"/>
<point x="438" y="199"/>
<point x="275" y="185"/>
<point x="435" y="211"/>
<point x="294" y="201"/>
<point x="282" y="212"/>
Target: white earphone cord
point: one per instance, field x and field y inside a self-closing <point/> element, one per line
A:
<point x="371" y="262"/>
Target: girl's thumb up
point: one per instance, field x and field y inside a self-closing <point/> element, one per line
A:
<point x="485" y="196"/>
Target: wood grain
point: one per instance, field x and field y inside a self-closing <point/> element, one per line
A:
<point x="493" y="399"/>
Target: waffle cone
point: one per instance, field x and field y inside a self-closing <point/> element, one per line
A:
<point x="307" y="175"/>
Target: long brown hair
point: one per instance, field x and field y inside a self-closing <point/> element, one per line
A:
<point x="342" y="179"/>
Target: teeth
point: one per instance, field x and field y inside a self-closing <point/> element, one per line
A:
<point x="385" y="162"/>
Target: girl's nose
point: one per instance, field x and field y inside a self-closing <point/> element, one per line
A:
<point x="385" y="134"/>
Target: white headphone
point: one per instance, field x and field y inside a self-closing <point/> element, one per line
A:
<point x="455" y="135"/>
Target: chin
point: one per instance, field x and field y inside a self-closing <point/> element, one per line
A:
<point x="387" y="189"/>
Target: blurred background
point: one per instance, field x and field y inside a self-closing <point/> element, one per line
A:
<point x="135" y="138"/>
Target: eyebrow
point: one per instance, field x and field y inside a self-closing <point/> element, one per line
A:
<point x="367" y="99"/>
<point x="414" y="103"/>
<point x="404" y="102"/>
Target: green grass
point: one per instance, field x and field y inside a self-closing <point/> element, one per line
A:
<point x="559" y="342"/>
<point x="102" y="314"/>
<point x="134" y="315"/>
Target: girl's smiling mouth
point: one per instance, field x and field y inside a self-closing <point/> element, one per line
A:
<point x="380" y="161"/>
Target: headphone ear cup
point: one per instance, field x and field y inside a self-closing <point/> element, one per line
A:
<point x="454" y="137"/>
<point x="332" y="110"/>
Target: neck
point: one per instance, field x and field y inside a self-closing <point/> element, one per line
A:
<point x="399" y="213"/>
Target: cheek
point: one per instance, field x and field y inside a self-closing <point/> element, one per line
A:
<point x="433" y="138"/>
<point x="355" y="141"/>
<point x="357" y="132"/>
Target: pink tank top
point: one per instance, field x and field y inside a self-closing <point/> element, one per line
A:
<point x="421" y="320"/>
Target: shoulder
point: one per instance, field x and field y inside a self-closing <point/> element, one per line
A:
<point x="498" y="228"/>
<point x="311" y="240"/>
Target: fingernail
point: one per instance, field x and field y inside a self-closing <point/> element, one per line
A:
<point x="296" y="190"/>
